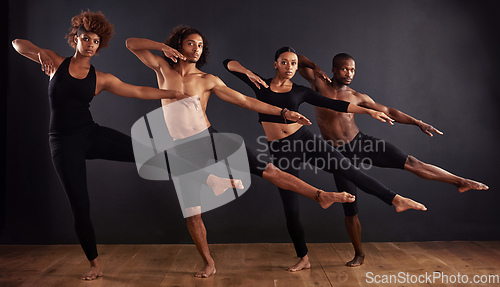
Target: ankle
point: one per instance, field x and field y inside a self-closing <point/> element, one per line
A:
<point x="95" y="263"/>
<point x="359" y="253"/>
<point x="396" y="200"/>
<point x="210" y="262"/>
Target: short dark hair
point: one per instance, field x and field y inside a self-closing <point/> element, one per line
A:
<point x="340" y="57"/>
<point x="178" y="35"/>
<point x="283" y="50"/>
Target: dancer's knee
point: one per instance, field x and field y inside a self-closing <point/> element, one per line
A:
<point x="413" y="163"/>
<point x="193" y="215"/>
<point x="350" y="209"/>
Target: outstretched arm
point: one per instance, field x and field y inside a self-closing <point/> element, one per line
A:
<point x="313" y="74"/>
<point x="115" y="86"/>
<point x="49" y="60"/>
<point x="229" y="95"/>
<point x="381" y="116"/>
<point x="397" y="115"/>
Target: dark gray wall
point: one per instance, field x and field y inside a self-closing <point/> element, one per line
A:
<point x="436" y="60"/>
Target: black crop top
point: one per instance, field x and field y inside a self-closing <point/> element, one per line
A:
<point x="290" y="100"/>
<point x="69" y="100"/>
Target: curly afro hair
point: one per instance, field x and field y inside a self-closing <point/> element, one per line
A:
<point x="178" y="35"/>
<point x="94" y="22"/>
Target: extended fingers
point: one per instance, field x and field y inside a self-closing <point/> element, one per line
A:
<point x="180" y="55"/>
<point x="48" y="68"/>
<point x="256" y="82"/>
<point x="294" y="116"/>
<point x="325" y="77"/>
<point x="174" y="55"/>
<point x="263" y="83"/>
<point x="437" y="131"/>
<point x="303" y="120"/>
<point x="385" y="118"/>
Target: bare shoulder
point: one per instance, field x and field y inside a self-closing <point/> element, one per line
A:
<point x="362" y="98"/>
<point x="207" y="76"/>
<point x="102" y="75"/>
<point x="104" y="79"/>
<point x="211" y="79"/>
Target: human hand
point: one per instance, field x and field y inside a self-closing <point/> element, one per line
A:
<point x="256" y="80"/>
<point x="46" y="62"/>
<point x="172" y="54"/>
<point x="381" y="116"/>
<point x="321" y="75"/>
<point x="188" y="101"/>
<point x="428" y="129"/>
<point x="296" y="117"/>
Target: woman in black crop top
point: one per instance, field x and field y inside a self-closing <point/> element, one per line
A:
<point x="74" y="136"/>
<point x="291" y="145"/>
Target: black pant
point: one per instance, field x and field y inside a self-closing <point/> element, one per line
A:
<point x="304" y="147"/>
<point x="371" y="151"/>
<point x="69" y="153"/>
<point x="211" y="146"/>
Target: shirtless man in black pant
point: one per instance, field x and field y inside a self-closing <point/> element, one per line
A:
<point x="341" y="131"/>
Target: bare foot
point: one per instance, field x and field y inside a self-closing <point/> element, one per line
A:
<point x="356" y="261"/>
<point x="471" y="184"/>
<point x="206" y="271"/>
<point x="403" y="203"/>
<point x="326" y="199"/>
<point x="302" y="264"/>
<point x="219" y="185"/>
<point x="94" y="272"/>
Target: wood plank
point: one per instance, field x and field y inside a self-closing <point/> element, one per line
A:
<point x="262" y="264"/>
<point x="187" y="262"/>
<point x="453" y="261"/>
<point x="282" y="256"/>
<point x="244" y="265"/>
<point x="333" y="266"/>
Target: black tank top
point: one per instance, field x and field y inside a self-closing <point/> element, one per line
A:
<point x="69" y="100"/>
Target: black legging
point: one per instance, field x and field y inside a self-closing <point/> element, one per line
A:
<point x="368" y="150"/>
<point x="69" y="153"/>
<point x="304" y="147"/>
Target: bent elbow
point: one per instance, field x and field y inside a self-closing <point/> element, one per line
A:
<point x="129" y="43"/>
<point x="15" y="43"/>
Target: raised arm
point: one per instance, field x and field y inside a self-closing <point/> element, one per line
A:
<point x="142" y="49"/>
<point x="229" y="95"/>
<point x="235" y="67"/>
<point x="397" y="115"/>
<point x="49" y="60"/>
<point x="112" y="84"/>
<point x="310" y="71"/>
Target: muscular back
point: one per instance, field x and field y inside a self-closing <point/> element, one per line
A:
<point x="335" y="127"/>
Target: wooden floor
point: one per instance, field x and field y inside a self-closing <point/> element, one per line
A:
<point x="259" y="265"/>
